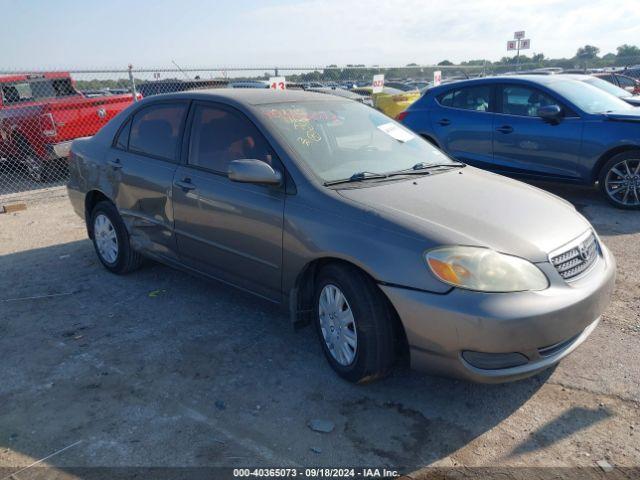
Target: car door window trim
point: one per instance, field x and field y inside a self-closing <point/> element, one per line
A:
<point x="189" y="126"/>
<point x="128" y="123"/>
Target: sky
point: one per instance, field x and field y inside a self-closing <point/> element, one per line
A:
<point x="93" y="34"/>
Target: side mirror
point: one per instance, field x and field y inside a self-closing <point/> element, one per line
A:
<point x="550" y="113"/>
<point x="253" y="171"/>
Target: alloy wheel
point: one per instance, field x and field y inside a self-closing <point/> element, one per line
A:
<point x="338" y="325"/>
<point x="622" y="182"/>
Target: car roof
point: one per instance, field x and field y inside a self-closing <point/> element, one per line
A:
<point x="248" y="96"/>
<point x="546" y="80"/>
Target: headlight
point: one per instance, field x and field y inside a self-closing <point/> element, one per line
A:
<point x="484" y="270"/>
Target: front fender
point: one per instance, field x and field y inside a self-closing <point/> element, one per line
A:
<point x="388" y="256"/>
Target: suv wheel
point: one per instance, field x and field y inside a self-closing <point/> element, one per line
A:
<point x="111" y="240"/>
<point x="354" y="323"/>
<point x="620" y="180"/>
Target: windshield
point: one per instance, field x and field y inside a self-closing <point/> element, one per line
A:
<point x="589" y="98"/>
<point x="607" y="87"/>
<point x="338" y="139"/>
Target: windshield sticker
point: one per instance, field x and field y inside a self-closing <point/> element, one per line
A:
<point x="396" y="132"/>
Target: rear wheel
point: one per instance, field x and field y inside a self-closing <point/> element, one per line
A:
<point x="111" y="240"/>
<point x="620" y="180"/>
<point x="354" y="323"/>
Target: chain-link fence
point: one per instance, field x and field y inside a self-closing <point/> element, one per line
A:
<point x="41" y="113"/>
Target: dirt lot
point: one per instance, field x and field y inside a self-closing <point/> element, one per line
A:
<point x="162" y="369"/>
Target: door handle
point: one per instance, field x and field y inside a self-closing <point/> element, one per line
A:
<point x="185" y="184"/>
<point x="115" y="164"/>
<point x="444" y="122"/>
<point x="505" y="129"/>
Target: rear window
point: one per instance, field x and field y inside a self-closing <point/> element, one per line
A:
<point x="155" y="130"/>
<point x="35" y="90"/>
<point x="468" y="98"/>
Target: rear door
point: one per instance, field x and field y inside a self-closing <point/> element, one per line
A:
<point x="231" y="231"/>
<point x="462" y="121"/>
<point x="141" y="165"/>
<point x="525" y="144"/>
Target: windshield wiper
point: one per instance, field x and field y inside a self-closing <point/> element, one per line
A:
<point x="357" y="177"/>
<point x="419" y="168"/>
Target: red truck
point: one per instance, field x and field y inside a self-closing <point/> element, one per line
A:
<point x="41" y="114"/>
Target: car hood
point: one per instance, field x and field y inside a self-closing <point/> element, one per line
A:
<point x="473" y="207"/>
<point x="623" y="116"/>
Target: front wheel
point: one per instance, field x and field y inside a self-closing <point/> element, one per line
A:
<point x="111" y="240"/>
<point x="354" y="323"/>
<point x="619" y="180"/>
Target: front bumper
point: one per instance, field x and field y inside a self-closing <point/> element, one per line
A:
<point x="543" y="326"/>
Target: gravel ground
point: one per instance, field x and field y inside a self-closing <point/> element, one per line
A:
<point x="159" y="368"/>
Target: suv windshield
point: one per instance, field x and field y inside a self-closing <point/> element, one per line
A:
<point x="589" y="98"/>
<point x="340" y="139"/>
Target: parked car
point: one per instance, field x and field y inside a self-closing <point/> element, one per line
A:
<point x="404" y="87"/>
<point x="608" y="87"/>
<point x="630" y="84"/>
<point x="352" y="222"/>
<point x="249" y="84"/>
<point x="547" y="127"/>
<point x="40" y="114"/>
<point x="341" y="92"/>
<point x="158" y="87"/>
<point x="390" y="101"/>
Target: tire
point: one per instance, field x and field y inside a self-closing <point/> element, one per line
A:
<point x="39" y="171"/>
<point x="619" y="180"/>
<point x="373" y="354"/>
<point x="108" y="229"/>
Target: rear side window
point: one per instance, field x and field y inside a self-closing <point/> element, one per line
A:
<point x="219" y="136"/>
<point x="468" y="98"/>
<point x="122" y="141"/>
<point x="155" y="130"/>
<point x="524" y="101"/>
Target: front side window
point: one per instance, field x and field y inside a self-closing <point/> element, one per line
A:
<point x="468" y="98"/>
<point x="219" y="136"/>
<point x="524" y="101"/>
<point x="155" y="130"/>
<point x="339" y="138"/>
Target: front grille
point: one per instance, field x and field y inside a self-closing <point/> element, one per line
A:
<point x="577" y="258"/>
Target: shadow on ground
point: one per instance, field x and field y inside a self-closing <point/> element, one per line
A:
<point x="159" y="368"/>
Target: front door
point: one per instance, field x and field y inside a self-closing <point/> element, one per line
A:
<point x="229" y="230"/>
<point x="525" y="144"/>
<point x="141" y="165"/>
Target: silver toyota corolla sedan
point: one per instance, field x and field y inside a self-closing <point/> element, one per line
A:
<point x="351" y="222"/>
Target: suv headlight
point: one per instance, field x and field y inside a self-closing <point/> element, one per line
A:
<point x="484" y="270"/>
